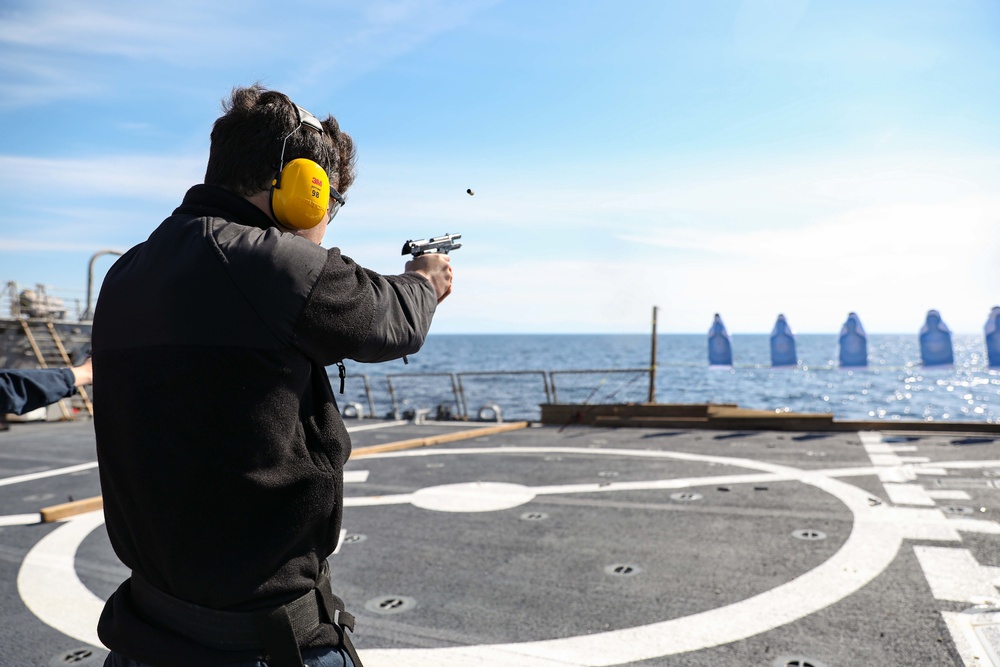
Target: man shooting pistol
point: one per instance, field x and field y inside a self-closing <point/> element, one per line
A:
<point x="438" y="244"/>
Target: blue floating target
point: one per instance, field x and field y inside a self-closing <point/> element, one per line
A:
<point x="783" y="344"/>
<point x="935" y="341"/>
<point x="993" y="337"/>
<point x="720" y="349"/>
<point x="853" y="343"/>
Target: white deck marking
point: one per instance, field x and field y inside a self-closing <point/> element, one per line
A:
<point x="907" y="494"/>
<point x="603" y="487"/>
<point x="927" y="524"/>
<point x="355" y="476"/>
<point x="894" y="459"/>
<point x="883" y="448"/>
<point x="47" y="473"/>
<point x="30" y="477"/>
<point x="93" y="464"/>
<point x="20" y="519"/>
<point x="968" y="525"/>
<point x="340" y="541"/>
<point x="371" y="501"/>
<point x="948" y="494"/>
<point x="954" y="575"/>
<point x="658" y="484"/>
<point x="862" y="471"/>
<point x="372" y="427"/>
<point x="473" y="497"/>
<point x="974" y="465"/>
<point x="977" y="637"/>
<point x="50" y="588"/>
<point x="871" y="546"/>
<point x="899" y="474"/>
<point x="874" y="541"/>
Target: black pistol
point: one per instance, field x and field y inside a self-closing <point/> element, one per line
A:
<point x="442" y="244"/>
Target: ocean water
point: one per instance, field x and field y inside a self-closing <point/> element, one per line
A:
<point x="465" y="373"/>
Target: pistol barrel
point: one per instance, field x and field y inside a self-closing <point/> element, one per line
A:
<point x="438" y="244"/>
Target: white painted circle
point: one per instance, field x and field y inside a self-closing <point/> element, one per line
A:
<point x="49" y="585"/>
<point x="474" y="497"/>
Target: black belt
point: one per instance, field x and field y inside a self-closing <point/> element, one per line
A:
<point x="275" y="631"/>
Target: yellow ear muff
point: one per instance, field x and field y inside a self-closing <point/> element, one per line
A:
<point x="300" y="195"/>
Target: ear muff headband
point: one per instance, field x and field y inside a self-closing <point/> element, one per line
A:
<point x="300" y="194"/>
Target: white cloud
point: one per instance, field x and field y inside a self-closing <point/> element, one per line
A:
<point x="75" y="49"/>
<point x="889" y="237"/>
<point x="813" y="283"/>
<point x="561" y="295"/>
<point x="48" y="246"/>
<point x="889" y="231"/>
<point x="79" y="205"/>
<point x="133" y="30"/>
<point x="119" y="177"/>
<point x="57" y="50"/>
<point x="381" y="32"/>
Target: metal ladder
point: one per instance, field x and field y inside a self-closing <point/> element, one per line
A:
<point x="48" y="349"/>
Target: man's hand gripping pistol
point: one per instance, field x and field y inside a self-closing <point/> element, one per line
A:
<point x="439" y="244"/>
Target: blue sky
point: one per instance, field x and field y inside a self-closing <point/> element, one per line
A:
<point x="749" y="157"/>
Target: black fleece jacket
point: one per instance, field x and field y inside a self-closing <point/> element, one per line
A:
<point x="220" y="444"/>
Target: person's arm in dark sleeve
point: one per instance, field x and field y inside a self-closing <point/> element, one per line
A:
<point x="354" y="313"/>
<point x="25" y="390"/>
<point x="404" y="306"/>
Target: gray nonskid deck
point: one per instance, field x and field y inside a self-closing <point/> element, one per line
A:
<point x="586" y="546"/>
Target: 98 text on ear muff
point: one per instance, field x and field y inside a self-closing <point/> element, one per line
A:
<point x="300" y="193"/>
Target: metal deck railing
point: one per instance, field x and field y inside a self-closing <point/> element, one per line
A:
<point x="457" y="394"/>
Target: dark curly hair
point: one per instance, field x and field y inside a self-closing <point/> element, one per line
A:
<point x="246" y="143"/>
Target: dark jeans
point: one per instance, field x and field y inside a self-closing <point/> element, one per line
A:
<point x="316" y="657"/>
